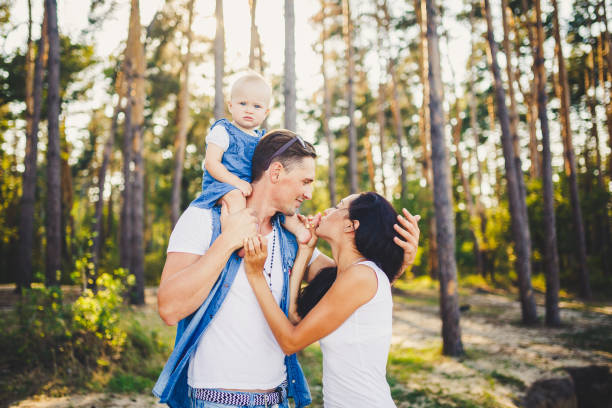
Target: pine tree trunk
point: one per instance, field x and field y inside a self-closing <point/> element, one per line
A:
<point x="180" y="140"/>
<point x="531" y="100"/>
<point x="367" y="145"/>
<point x="219" y="109"/>
<point x="399" y="127"/>
<point x="289" y="80"/>
<point x="54" y="199"/>
<point x="329" y="136"/>
<point x="475" y="131"/>
<point x="469" y="202"/>
<point x="424" y="131"/>
<point x="551" y="257"/>
<point x="602" y="220"/>
<point x="380" y="119"/>
<point x="98" y="236"/>
<point x="520" y="227"/>
<point x="568" y="145"/>
<point x="252" y="8"/>
<point x="449" y="296"/>
<point x="30" y="66"/>
<point x="26" y="214"/>
<point x="67" y="199"/>
<point x="126" y="228"/>
<point x="511" y="80"/>
<point x="135" y="54"/>
<point x="513" y="109"/>
<point x="380" y="113"/>
<point x="607" y="38"/>
<point x="350" y="99"/>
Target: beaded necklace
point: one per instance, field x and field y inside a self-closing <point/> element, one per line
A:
<point x="269" y="271"/>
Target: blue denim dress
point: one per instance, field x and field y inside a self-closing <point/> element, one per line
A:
<point x="236" y="159"/>
<point x="171" y="386"/>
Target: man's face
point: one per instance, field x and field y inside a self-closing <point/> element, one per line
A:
<point x="295" y="185"/>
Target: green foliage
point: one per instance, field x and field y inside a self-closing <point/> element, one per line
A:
<point x="94" y="342"/>
<point x="45" y="330"/>
<point x="98" y="313"/>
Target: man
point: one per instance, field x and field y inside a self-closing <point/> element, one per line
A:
<point x="203" y="288"/>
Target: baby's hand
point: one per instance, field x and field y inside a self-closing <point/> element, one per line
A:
<point x="245" y="187"/>
<point x="256" y="252"/>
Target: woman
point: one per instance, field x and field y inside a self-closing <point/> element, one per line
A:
<point x="348" y="307"/>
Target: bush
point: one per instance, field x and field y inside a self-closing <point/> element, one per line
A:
<point x="44" y="331"/>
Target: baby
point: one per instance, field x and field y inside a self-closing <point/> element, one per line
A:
<point x="230" y="147"/>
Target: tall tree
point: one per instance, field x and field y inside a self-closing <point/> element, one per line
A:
<point x="106" y="157"/>
<point x="289" y="92"/>
<point x="395" y="105"/>
<point x="329" y="136"/>
<point x="551" y="262"/>
<point x="568" y="144"/>
<point x="347" y="28"/>
<point x="520" y="227"/>
<point x="255" y="47"/>
<point x="180" y="140"/>
<point x="601" y="219"/>
<point x="475" y="133"/>
<point x="54" y="199"/>
<point x="137" y="123"/>
<point x="513" y="109"/>
<point x="127" y="206"/>
<point x="465" y="183"/>
<point x="252" y="8"/>
<point x="531" y="98"/>
<point x="449" y="296"/>
<point x="424" y="129"/>
<point x="219" y="108"/>
<point x="134" y="183"/>
<point x="399" y="126"/>
<point x="33" y="107"/>
<point x="381" y="97"/>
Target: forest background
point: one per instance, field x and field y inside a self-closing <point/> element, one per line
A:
<point x="492" y="120"/>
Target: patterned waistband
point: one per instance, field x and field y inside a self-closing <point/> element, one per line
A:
<point x="241" y="398"/>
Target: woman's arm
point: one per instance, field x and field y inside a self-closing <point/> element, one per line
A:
<point x="295" y="281"/>
<point x="300" y="265"/>
<point x="352" y="288"/>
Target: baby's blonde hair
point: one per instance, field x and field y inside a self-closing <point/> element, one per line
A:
<point x="251" y="77"/>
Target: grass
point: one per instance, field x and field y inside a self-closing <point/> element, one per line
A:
<point x="415" y="375"/>
<point x="594" y="338"/>
<point x="147" y="347"/>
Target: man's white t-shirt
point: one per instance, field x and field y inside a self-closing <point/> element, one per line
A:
<point x="238" y="349"/>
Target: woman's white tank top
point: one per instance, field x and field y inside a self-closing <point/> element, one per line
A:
<point x="355" y="354"/>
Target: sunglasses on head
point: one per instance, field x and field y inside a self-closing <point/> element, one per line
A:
<point x="284" y="147"/>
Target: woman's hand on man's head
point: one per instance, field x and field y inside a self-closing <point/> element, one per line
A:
<point x="408" y="229"/>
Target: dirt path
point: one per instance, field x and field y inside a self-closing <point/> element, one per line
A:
<point x="498" y="347"/>
<point x="502" y="357"/>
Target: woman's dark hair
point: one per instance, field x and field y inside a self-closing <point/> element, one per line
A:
<point x="373" y="239"/>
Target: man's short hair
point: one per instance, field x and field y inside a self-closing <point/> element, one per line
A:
<point x="271" y="143"/>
